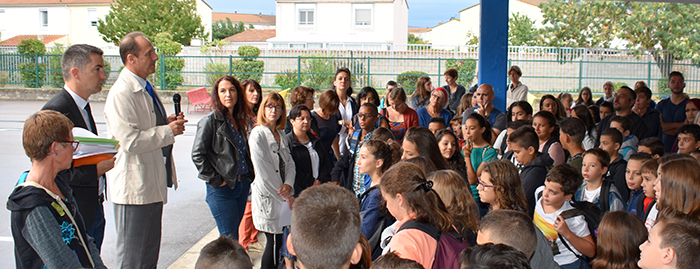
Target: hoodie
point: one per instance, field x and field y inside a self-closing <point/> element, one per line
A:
<point x="628" y="147"/>
<point x="532" y="175"/>
<point x="616" y="174"/>
<point x="43" y="233"/>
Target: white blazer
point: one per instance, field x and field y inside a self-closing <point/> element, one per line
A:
<point x="138" y="176"/>
<point x="266" y="203"/>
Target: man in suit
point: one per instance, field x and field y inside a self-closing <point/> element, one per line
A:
<point x="84" y="74"/>
<point x="144" y="168"/>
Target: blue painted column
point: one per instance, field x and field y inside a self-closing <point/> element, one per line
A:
<point x="493" y="48"/>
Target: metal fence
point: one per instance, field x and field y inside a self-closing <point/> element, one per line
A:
<point x="544" y="69"/>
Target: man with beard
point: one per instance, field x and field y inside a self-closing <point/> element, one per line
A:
<point x="624" y="100"/>
<point x="672" y="110"/>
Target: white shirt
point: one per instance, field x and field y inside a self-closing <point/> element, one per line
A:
<point x="590" y="196"/>
<point x="81" y="103"/>
<point x="577" y="225"/>
<point x="651" y="219"/>
<point x="345" y="113"/>
<point x="314" y="158"/>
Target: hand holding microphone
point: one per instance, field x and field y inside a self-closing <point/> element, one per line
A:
<point x="177" y="121"/>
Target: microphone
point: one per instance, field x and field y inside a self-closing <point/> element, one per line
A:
<point x="176" y="100"/>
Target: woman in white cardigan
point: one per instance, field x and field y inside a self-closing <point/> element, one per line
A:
<point x="274" y="174"/>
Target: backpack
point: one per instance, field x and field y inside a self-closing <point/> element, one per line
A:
<point x="450" y="244"/>
<point x="376" y="238"/>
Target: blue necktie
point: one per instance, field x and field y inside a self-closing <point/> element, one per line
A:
<point x="156" y="104"/>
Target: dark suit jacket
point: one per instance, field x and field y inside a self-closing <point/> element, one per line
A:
<point x="83" y="180"/>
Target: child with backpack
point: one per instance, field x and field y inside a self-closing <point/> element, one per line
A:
<point x="532" y="165"/>
<point x="634" y="182"/>
<point x="375" y="157"/>
<point x="566" y="229"/>
<point x="547" y="129"/>
<point x="454" y="193"/>
<point x="423" y="221"/>
<point x="345" y="170"/>
<point x="594" y="189"/>
<point x="630" y="141"/>
<point x="610" y="141"/>
<point x="571" y="135"/>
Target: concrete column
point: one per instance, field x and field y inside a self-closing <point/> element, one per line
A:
<point x="493" y="48"/>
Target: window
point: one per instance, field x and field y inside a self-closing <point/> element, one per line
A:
<point x="92" y="17"/>
<point x="2" y="19"/>
<point x="306" y="17"/>
<point x="44" y="18"/>
<point x="363" y="17"/>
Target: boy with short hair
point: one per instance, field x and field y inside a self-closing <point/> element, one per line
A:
<point x="651" y="145"/>
<point x="571" y="133"/>
<point x="501" y="143"/>
<point x="673" y="243"/>
<point x="436" y="124"/>
<point x="559" y="188"/>
<point x="532" y="165"/>
<point x="595" y="165"/>
<point x="345" y="171"/>
<point x="223" y="253"/>
<point x="633" y="174"/>
<point x="610" y="141"/>
<point x="688" y="138"/>
<point x="630" y="141"/>
<point x="649" y="169"/>
<point x="325" y="228"/>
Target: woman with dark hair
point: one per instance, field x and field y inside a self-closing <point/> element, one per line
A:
<point x="47" y="228"/>
<point x="347" y="106"/>
<point x="552" y="104"/>
<point x="399" y="116"/>
<point x="252" y="95"/>
<point x="302" y="95"/>
<point x="585" y="97"/>
<point x="419" y="141"/>
<point x="220" y="153"/>
<point x="454" y="90"/>
<point x="326" y="115"/>
<point x="449" y="148"/>
<point x="582" y="112"/>
<point x="421" y="96"/>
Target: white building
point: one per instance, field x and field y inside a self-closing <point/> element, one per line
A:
<point x="76" y="19"/>
<point x="340" y="23"/>
<point x="455" y="30"/>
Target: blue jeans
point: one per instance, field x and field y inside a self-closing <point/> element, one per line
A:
<point x="227" y="206"/>
<point x="97" y="231"/>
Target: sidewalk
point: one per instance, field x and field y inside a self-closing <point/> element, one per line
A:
<point x="187" y="260"/>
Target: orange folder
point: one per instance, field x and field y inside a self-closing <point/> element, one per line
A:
<point x="94" y="159"/>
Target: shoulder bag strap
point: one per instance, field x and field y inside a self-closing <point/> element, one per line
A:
<point x="63" y="205"/>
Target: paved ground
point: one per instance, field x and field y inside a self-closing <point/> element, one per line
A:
<point x="186" y="217"/>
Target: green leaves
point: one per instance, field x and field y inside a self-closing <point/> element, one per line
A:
<point x="522" y="31"/>
<point x="223" y="29"/>
<point x="177" y="17"/>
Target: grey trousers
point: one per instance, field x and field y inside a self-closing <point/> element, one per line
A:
<point x="138" y="235"/>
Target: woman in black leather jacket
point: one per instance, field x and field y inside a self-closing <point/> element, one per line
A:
<point x="220" y="152"/>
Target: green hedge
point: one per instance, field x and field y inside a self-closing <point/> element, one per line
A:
<point x="408" y="79"/>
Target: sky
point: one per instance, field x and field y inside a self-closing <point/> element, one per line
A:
<point x="421" y="13"/>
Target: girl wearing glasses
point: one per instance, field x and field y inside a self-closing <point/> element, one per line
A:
<point x="275" y="174"/>
<point x="477" y="151"/>
<point x="500" y="187"/>
<point x="47" y="229"/>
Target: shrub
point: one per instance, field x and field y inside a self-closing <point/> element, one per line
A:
<point x="172" y="66"/>
<point x="31" y="49"/>
<point x="662" y="86"/>
<point x="244" y="69"/>
<point x="408" y="79"/>
<point x="249" y="53"/>
<point x="288" y="79"/>
<point x="465" y="69"/>
<point x="214" y="71"/>
<point x="317" y="72"/>
<point x="55" y="72"/>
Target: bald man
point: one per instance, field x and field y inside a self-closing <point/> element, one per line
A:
<point x="484" y="98"/>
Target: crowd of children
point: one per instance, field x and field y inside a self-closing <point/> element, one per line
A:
<point x="574" y="185"/>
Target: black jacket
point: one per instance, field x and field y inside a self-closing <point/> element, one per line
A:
<point x="214" y="152"/>
<point x="302" y="160"/>
<point x="532" y="176"/>
<point x="616" y="174"/>
<point x="83" y="179"/>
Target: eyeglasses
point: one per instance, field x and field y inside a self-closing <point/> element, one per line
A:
<point x="436" y="96"/>
<point x="73" y="143"/>
<point x="484" y="185"/>
<point x="274" y="107"/>
<point x="362" y="116"/>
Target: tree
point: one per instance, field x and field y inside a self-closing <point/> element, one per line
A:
<point x="522" y="31"/>
<point x="177" y="17"/>
<point x="223" y="29"/>
<point x="666" y="26"/>
<point x="472" y="39"/>
<point x="170" y="64"/>
<point x="412" y="39"/>
<point x="580" y="23"/>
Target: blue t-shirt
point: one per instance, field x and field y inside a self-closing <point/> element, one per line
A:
<point x="424" y="117"/>
<point x="671" y="113"/>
